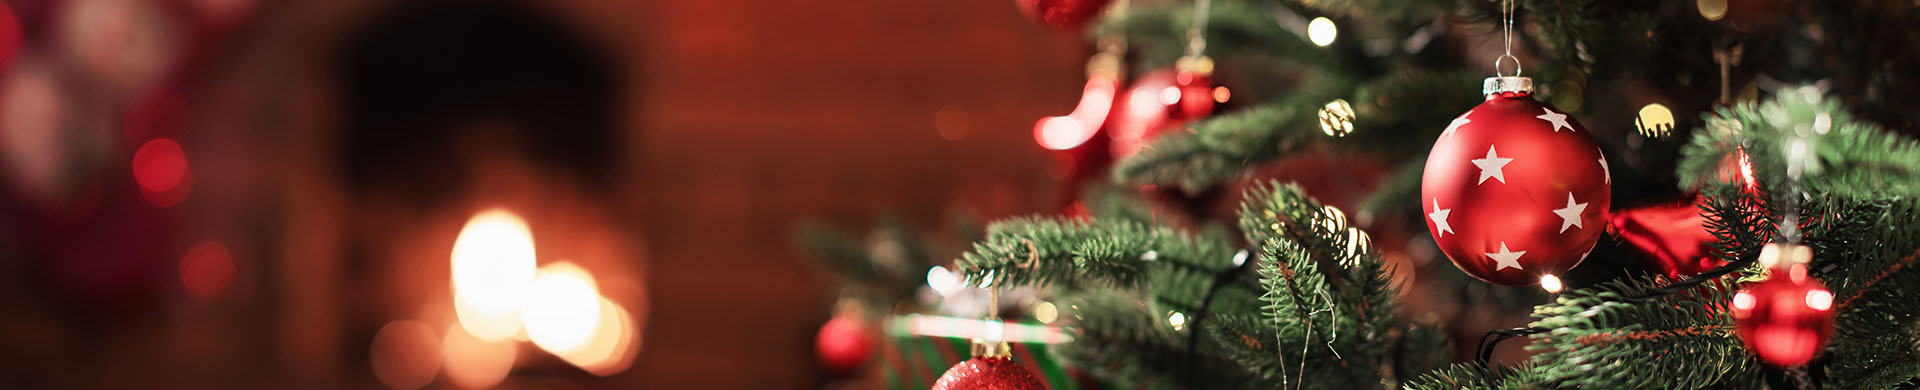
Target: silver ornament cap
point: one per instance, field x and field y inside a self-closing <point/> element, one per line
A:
<point x="1506" y="84"/>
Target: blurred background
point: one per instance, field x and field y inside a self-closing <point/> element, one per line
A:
<point x="275" y="194"/>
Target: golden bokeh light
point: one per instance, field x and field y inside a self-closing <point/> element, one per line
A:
<point x="493" y="268"/>
<point x="613" y="345"/>
<point x="562" y="310"/>
<point x="472" y="363"/>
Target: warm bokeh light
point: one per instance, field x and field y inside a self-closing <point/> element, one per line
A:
<point x="1045" y="312"/>
<point x="974" y="328"/>
<point x="943" y="281"/>
<point x="1550" y="283"/>
<point x="206" y="270"/>
<point x="405" y="354"/>
<point x="471" y="363"/>
<point x="1742" y="301"/>
<point x="1178" y="320"/>
<point x="1060" y="132"/>
<point x="1322" y="31"/>
<point x="32" y="112"/>
<point x="1819" y="299"/>
<point x="160" y="165"/>
<point x="562" y="309"/>
<point x="614" y="343"/>
<point x="126" y="43"/>
<point x="493" y="268"/>
<point x="1712" y="9"/>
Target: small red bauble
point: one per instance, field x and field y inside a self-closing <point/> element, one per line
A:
<point x="844" y="344"/>
<point x="988" y="373"/>
<point x="1514" y="189"/>
<point x="1062" y="14"/>
<point x="1196" y="96"/>
<point x="1156" y="103"/>
<point x="1785" y="319"/>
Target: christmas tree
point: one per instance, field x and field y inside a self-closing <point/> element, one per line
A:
<point x="1792" y="174"/>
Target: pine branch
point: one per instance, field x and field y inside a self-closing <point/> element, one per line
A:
<point x="1077" y="253"/>
<point x="1848" y="158"/>
<point x="1477" y="376"/>
<point x="1599" y="340"/>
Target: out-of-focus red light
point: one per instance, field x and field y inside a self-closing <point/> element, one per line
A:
<point x="206" y="270"/>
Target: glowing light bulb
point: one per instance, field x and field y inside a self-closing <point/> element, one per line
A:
<point x="1743" y="301"/>
<point x="493" y="268"/>
<point x="1178" y="320"/>
<point x="1819" y="299"/>
<point x="1550" y="283"/>
<point x="1322" y="31"/>
<point x="562" y="310"/>
<point x="943" y="281"/>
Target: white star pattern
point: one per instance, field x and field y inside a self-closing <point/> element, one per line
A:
<point x="1491" y="166"/>
<point x="1604" y="171"/>
<point x="1462" y="120"/>
<point x="1439" y="216"/>
<point x="1559" y="120"/>
<point x="1506" y="258"/>
<point x="1570" y="215"/>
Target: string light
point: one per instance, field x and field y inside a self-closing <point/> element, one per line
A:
<point x="1322" y="31"/>
<point x="1550" y="283"/>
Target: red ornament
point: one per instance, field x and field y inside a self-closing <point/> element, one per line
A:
<point x="1514" y="189"/>
<point x="1786" y="318"/>
<point x="988" y="373"/>
<point x="1062" y="14"/>
<point x="1197" y="95"/>
<point x="1673" y="237"/>
<point x="1156" y="103"/>
<point x="844" y="344"/>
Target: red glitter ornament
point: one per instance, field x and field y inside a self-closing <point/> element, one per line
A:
<point x="1786" y="318"/>
<point x="1515" y="190"/>
<point x="988" y="373"/>
<point x="1062" y="14"/>
<point x="844" y="344"/>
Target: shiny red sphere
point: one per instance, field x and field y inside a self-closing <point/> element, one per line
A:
<point x="1156" y="103"/>
<point x="1062" y="14"/>
<point x="1196" y="95"/>
<point x="988" y="374"/>
<point x="844" y="344"/>
<point x="1785" y="319"/>
<point x="1514" y="190"/>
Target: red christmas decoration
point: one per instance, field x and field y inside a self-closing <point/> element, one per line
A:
<point x="991" y="368"/>
<point x="1062" y="14"/>
<point x="1197" y="95"/>
<point x="1786" y="318"/>
<point x="1673" y="237"/>
<point x="1157" y="103"/>
<point x="844" y="344"/>
<point x="1515" y="190"/>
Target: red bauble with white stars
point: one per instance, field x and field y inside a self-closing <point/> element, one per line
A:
<point x="1062" y="14"/>
<point x="1786" y="318"/>
<point x="988" y="373"/>
<point x="1515" y="190"/>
